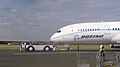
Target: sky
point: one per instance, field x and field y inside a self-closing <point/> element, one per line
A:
<point x="39" y="19"/>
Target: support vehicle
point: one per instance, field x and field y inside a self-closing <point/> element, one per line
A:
<point x="37" y="47"/>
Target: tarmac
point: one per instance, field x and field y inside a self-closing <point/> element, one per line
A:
<point x="53" y="59"/>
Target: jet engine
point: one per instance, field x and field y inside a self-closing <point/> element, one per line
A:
<point x="115" y="45"/>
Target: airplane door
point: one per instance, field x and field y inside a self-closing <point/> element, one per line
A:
<point x="76" y="35"/>
<point x="106" y="30"/>
<point x="106" y="34"/>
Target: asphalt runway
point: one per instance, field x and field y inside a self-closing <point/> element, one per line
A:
<point x="50" y="59"/>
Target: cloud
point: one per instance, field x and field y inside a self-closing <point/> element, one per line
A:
<point x="95" y="3"/>
<point x="5" y="24"/>
<point x="13" y="10"/>
<point x="32" y="24"/>
<point x="49" y="15"/>
<point x="54" y="2"/>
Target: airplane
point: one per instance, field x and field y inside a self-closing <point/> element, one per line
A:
<point x="95" y="33"/>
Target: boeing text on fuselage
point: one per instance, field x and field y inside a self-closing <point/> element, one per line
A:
<point x="92" y="36"/>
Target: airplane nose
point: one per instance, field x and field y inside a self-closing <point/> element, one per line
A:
<point x="55" y="38"/>
<point x="51" y="39"/>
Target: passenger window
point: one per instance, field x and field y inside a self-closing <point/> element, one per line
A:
<point x="83" y="29"/>
<point x="90" y="29"/>
<point x="113" y="28"/>
<point x="118" y="28"/>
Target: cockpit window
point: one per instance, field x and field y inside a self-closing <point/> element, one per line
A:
<point x="58" y="31"/>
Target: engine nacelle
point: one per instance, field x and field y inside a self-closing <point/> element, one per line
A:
<point x="115" y="45"/>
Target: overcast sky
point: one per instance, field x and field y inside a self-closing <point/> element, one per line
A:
<point x="39" y="19"/>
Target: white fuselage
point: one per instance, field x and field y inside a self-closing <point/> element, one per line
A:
<point x="89" y="33"/>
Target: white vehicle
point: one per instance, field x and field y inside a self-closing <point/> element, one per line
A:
<point x="35" y="47"/>
<point x="89" y="33"/>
